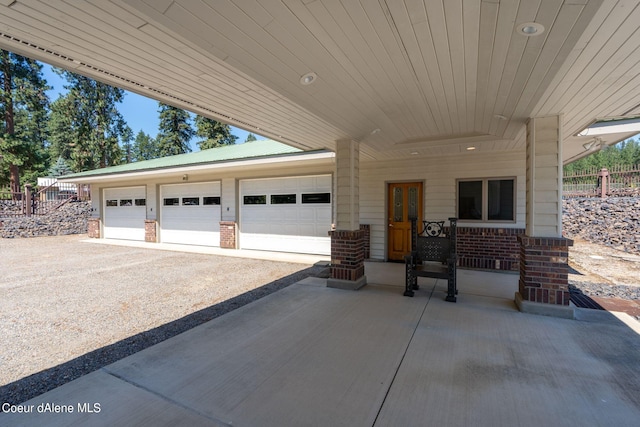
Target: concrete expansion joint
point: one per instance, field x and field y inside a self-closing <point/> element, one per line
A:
<point x="166" y="398"/>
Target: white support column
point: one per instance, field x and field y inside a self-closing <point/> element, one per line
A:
<point x="347" y="185"/>
<point x="544" y="270"/>
<point x="544" y="177"/>
<point x="347" y="240"/>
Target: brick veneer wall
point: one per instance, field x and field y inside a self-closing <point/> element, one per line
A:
<point x="228" y="234"/>
<point x="366" y="229"/>
<point x="93" y="228"/>
<point x="150" y="230"/>
<point x="544" y="269"/>
<point x="347" y="254"/>
<point x="489" y="248"/>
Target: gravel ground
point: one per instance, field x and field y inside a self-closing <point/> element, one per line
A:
<point x="600" y="270"/>
<point x="70" y="307"/>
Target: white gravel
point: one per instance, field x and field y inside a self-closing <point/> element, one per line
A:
<point x="68" y="307"/>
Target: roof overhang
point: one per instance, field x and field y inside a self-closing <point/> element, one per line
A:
<point x="399" y="77"/>
<point x="599" y="135"/>
<point x="270" y="162"/>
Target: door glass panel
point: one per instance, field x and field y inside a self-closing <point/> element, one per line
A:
<point x="397" y="204"/>
<point x="413" y="202"/>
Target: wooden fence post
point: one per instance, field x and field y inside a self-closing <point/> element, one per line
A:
<point x="27" y="200"/>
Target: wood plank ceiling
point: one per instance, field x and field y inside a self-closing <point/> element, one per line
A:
<point x="403" y="77"/>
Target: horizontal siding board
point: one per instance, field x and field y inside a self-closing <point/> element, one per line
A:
<point x="439" y="177"/>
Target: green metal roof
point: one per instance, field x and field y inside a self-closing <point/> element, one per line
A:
<point x="248" y="150"/>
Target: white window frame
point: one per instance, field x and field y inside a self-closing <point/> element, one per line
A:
<point x="485" y="199"/>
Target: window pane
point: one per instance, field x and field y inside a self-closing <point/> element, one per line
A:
<point x="190" y="201"/>
<point x="283" y="199"/>
<point x="470" y="200"/>
<point x="500" y="203"/>
<point x="126" y="202"/>
<point x="112" y="203"/>
<point x="316" y="198"/>
<point x="413" y="202"/>
<point x="141" y="202"/>
<point x="207" y="201"/>
<point x="173" y="201"/>
<point x="398" y="205"/>
<point x="255" y="200"/>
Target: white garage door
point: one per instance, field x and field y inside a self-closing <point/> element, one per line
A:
<point x="190" y="213"/>
<point x="286" y="214"/>
<point x="124" y="213"/>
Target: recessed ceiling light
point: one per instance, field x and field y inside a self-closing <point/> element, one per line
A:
<point x="373" y="132"/>
<point x="471" y="148"/>
<point x="414" y="153"/>
<point x="530" y="29"/>
<point x="308" y="78"/>
<point x="500" y="117"/>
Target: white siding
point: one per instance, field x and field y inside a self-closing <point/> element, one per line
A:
<point x="229" y="202"/>
<point x="439" y="176"/>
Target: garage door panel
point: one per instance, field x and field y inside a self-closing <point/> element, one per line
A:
<point x="124" y="213"/>
<point x="191" y="220"/>
<point x="279" y="224"/>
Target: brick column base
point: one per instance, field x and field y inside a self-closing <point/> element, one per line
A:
<point x="347" y="259"/>
<point x="93" y="228"/>
<point x="544" y="276"/>
<point x="150" y="231"/>
<point x="228" y="234"/>
<point x="366" y="238"/>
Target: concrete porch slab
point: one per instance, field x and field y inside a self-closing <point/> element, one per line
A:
<point x="312" y="355"/>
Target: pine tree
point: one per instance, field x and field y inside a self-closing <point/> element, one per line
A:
<point x="62" y="135"/>
<point x="175" y="131"/>
<point x="251" y="137"/>
<point x="59" y="168"/>
<point x="127" y="146"/>
<point x="23" y="104"/>
<point x="215" y="134"/>
<point x="86" y="124"/>
<point x="144" y="147"/>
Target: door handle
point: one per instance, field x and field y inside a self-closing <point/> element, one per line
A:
<point x="390" y="225"/>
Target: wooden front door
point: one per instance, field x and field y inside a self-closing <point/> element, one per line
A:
<point x="405" y="201"/>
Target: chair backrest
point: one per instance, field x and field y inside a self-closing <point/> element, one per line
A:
<point x="434" y="242"/>
<point x="433" y="248"/>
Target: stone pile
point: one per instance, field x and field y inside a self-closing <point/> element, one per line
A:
<point x="614" y="221"/>
<point x="68" y="219"/>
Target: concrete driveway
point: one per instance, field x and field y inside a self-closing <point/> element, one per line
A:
<point x="70" y="306"/>
<point x="315" y="356"/>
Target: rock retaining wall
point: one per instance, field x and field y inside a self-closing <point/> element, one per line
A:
<point x="68" y="219"/>
<point x="614" y="221"/>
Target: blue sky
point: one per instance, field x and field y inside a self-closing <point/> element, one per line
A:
<point x="139" y="112"/>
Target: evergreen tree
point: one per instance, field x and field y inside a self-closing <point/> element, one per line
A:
<point x="59" y="168"/>
<point x="251" y="137"/>
<point x="62" y="135"/>
<point x="175" y="131"/>
<point x="215" y="133"/>
<point x="23" y="104"/>
<point x="144" y="147"/>
<point x="93" y="128"/>
<point x="127" y="146"/>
